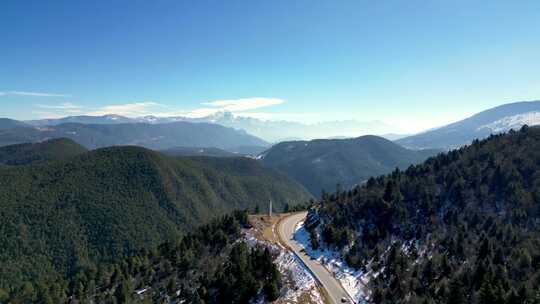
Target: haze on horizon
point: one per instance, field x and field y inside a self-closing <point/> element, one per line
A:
<point x="413" y="65"/>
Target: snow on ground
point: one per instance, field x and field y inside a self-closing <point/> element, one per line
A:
<point x="513" y="122"/>
<point x="304" y="282"/>
<point x="299" y="283"/>
<point x="353" y="281"/>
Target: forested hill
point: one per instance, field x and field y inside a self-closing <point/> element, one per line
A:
<point x="106" y="204"/>
<point x="198" y="151"/>
<point x="211" y="265"/>
<point x="29" y="153"/>
<point x="322" y="164"/>
<point x="461" y="228"/>
<point x="158" y="137"/>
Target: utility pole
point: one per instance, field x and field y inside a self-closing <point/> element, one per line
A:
<point x="270" y="208"/>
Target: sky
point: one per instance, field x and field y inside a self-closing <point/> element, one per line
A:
<point x="412" y="64"/>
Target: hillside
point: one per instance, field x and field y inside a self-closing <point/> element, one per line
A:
<point x="249" y="150"/>
<point x="6" y="123"/>
<point x="193" y="151"/>
<point x="54" y="149"/>
<point x="492" y="121"/>
<point x="322" y="164"/>
<point x="158" y="137"/>
<point x="103" y="205"/>
<point x="211" y="264"/>
<point x="460" y="228"/>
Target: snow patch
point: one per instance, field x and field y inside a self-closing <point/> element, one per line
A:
<point x="513" y="122"/>
<point x="353" y="281"/>
<point x="317" y="160"/>
<point x="297" y="279"/>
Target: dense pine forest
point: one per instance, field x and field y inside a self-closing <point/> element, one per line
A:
<point x="464" y="227"/>
<point x="102" y="206"/>
<point x="321" y="164"/>
<point x="33" y="153"/>
<point x="209" y="265"/>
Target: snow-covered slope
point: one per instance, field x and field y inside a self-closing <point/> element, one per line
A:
<point x="495" y="120"/>
<point x="513" y="122"/>
<point x="299" y="285"/>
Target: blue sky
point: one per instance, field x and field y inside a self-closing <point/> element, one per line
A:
<point x="413" y="64"/>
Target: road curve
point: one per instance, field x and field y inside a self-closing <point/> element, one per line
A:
<point x="285" y="229"/>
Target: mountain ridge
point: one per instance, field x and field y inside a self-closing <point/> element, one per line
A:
<point x="323" y="163"/>
<point x="158" y="136"/>
<point x="31" y="153"/>
<point x="269" y="130"/>
<point x="478" y="126"/>
<point x="462" y="227"/>
<point x="7" y="123"/>
<point x="111" y="202"/>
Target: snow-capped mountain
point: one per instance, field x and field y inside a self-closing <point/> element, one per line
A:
<point x="276" y="131"/>
<point x="272" y="131"/>
<point x="151" y="119"/>
<point x="83" y="119"/>
<point x="513" y="122"/>
<point x="492" y="121"/>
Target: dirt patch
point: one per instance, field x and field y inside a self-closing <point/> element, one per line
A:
<point x="263" y="226"/>
<point x="303" y="299"/>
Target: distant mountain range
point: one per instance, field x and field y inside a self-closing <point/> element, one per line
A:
<point x="272" y="131"/>
<point x="153" y="136"/>
<point x="496" y="120"/>
<point x="192" y="151"/>
<point x="322" y="164"/>
<point x="84" y="119"/>
<point x="83" y="209"/>
<point x="6" y="123"/>
<point x="276" y="131"/>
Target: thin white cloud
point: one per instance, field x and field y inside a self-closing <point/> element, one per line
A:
<point x="32" y="94"/>
<point x="244" y="104"/>
<point x="129" y="109"/>
<point x="239" y="107"/>
<point x="236" y="106"/>
<point x="58" y="110"/>
<point x="199" y="113"/>
<point x="62" y="106"/>
<point x="279" y="115"/>
<point x="51" y="115"/>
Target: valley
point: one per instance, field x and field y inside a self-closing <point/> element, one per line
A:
<point x="357" y="213"/>
<point x="269" y="152"/>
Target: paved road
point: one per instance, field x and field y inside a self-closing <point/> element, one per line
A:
<point x="329" y="283"/>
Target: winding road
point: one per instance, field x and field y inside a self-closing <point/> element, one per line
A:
<point x="285" y="229"/>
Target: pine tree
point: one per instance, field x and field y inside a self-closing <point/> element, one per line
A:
<point x="456" y="294"/>
<point x="271" y="290"/>
<point x="486" y="294"/>
<point x="124" y="291"/>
